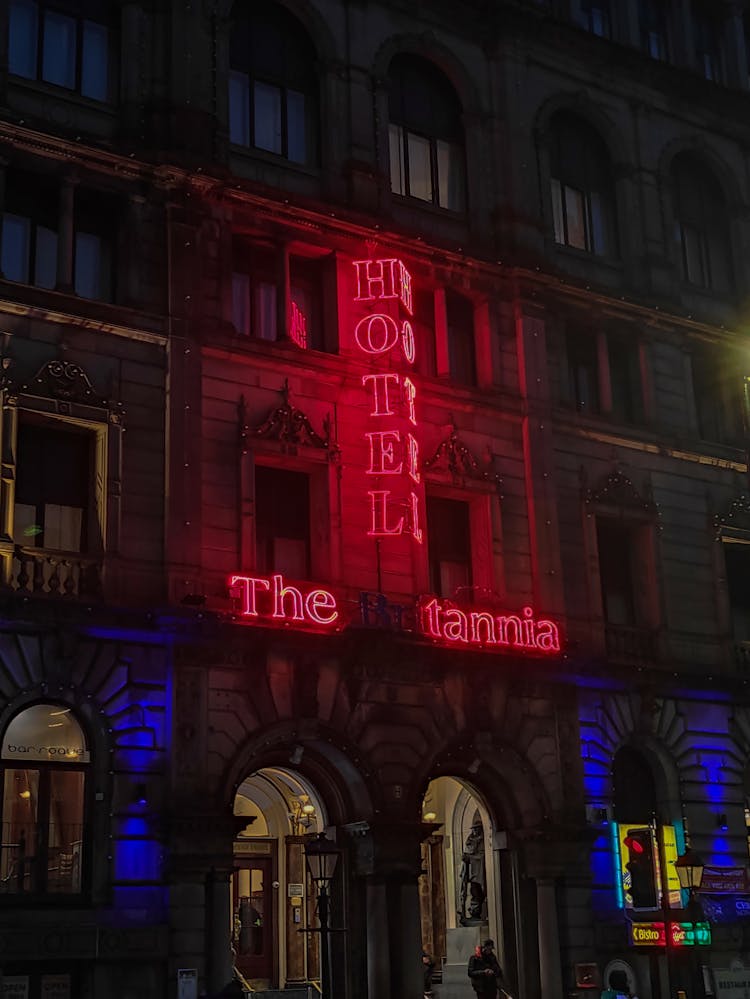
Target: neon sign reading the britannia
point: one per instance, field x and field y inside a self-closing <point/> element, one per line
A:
<point x="393" y="447"/>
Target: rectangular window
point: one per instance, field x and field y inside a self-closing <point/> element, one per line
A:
<point x="239" y="108"/>
<point x="282" y="522"/>
<point x="306" y="276"/>
<point x="693" y="255"/>
<point x="16" y="247"/>
<point x="59" y="50"/>
<point x="92" y="267"/>
<point x="420" y="167"/>
<point x="241" y="302"/>
<point x="450" y="172"/>
<point x="615" y="544"/>
<point x="254" y="291"/>
<point x="625" y="380"/>
<point x="265" y="311"/>
<point x="45" y="258"/>
<point x="557" y="212"/>
<point x="22" y="38"/>
<point x="296" y="127"/>
<point x="94" y="65"/>
<point x="396" y="152"/>
<point x="267" y="117"/>
<point x="53" y="486"/>
<point x="737" y="560"/>
<point x="449" y="546"/>
<point x="575" y="218"/>
<point x="583" y="371"/>
<point x="461" y="346"/>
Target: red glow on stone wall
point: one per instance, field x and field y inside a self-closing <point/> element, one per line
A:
<point x="385" y="338"/>
<point x="442" y="621"/>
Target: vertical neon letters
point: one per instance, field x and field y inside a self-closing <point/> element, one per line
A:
<point x="393" y="452"/>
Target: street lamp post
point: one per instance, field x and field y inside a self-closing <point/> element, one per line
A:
<point x="689" y="868"/>
<point x="321" y="855"/>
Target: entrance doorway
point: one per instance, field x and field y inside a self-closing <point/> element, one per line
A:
<point x="272" y="898"/>
<point x="459" y="889"/>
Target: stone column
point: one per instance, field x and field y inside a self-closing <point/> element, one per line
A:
<point x="549" y="939"/>
<point x="219" y="911"/>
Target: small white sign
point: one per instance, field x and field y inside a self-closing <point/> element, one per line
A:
<point x="187" y="983"/>
<point x="55" y="987"/>
<point x="14" y="987"/>
<point x="293" y="889"/>
<point x="731" y="984"/>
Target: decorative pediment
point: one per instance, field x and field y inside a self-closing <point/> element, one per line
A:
<point x="286" y="424"/>
<point x="735" y="521"/>
<point x="617" y="490"/>
<point x="458" y="460"/>
<point x="64" y="381"/>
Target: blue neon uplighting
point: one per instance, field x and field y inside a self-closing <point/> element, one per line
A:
<point x="619" y="894"/>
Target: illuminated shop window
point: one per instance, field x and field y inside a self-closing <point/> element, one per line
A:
<point x="701" y="225"/>
<point x="449" y="546"/>
<point x="28" y="245"/>
<point x="461" y="345"/>
<point x="707" y="28"/>
<point x="582" y="189"/>
<point x="282" y="521"/>
<point x="652" y="16"/>
<point x="68" y="43"/>
<point x="426" y="136"/>
<point x="596" y="18"/>
<point x="272" y="82"/>
<point x="53" y="500"/>
<point x="44" y="763"/>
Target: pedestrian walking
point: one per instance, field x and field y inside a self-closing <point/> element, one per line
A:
<point x="428" y="969"/>
<point x="485" y="972"/>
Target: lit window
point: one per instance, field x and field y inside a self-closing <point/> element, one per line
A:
<point x="449" y="546"/>
<point x="426" y="140"/>
<point x="582" y="189"/>
<point x="272" y="83"/>
<point x="67" y="45"/>
<point x="44" y="758"/>
<point x="702" y="225"/>
<point x="282" y="522"/>
<point x="53" y="486"/>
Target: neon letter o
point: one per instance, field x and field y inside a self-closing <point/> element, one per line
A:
<point x="407" y="341"/>
<point x="367" y="334"/>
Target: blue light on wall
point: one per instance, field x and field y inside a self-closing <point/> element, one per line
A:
<point x="617" y="859"/>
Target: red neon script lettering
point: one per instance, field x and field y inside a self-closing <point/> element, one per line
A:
<point x="443" y="622"/>
<point x="261" y="597"/>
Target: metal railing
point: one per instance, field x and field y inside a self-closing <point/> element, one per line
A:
<point x="31" y="867"/>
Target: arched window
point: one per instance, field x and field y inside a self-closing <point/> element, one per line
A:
<point x="701" y="225"/>
<point x="44" y="763"/>
<point x="582" y="188"/>
<point x="69" y="43"/>
<point x="273" y="84"/>
<point x="426" y="134"/>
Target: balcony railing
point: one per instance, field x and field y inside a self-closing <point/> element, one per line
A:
<point x="31" y="867"/>
<point x="44" y="572"/>
<point x="629" y="644"/>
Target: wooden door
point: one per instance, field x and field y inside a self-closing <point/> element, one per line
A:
<point x="254" y="918"/>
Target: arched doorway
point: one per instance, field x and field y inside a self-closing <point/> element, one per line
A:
<point x="460" y="885"/>
<point x="271" y="896"/>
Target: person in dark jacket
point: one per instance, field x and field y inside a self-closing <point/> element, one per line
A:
<point x="428" y="968"/>
<point x="484" y="971"/>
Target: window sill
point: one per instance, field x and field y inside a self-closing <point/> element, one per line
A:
<point x="614" y="264"/>
<point x="407" y="201"/>
<point x="253" y="154"/>
<point x="52" y="90"/>
<point x="48" y="300"/>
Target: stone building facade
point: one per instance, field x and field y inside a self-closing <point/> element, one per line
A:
<point x="385" y="364"/>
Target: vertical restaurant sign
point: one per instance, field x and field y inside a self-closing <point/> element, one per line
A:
<point x="385" y="337"/>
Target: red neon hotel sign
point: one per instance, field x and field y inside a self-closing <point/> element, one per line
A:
<point x="443" y="621"/>
<point x="392" y="445"/>
<point x="269" y="598"/>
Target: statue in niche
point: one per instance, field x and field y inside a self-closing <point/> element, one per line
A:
<point x="473" y="890"/>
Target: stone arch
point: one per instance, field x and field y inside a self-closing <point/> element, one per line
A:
<point x="440" y="56"/>
<point x="592" y="114"/>
<point x="309" y="17"/>
<point x="497" y="773"/>
<point x="342" y="778"/>
<point x="706" y="156"/>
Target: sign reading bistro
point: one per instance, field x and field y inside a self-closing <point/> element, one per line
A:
<point x="680" y="934"/>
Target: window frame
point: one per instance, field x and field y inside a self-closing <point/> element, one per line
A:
<point x="485" y="531"/>
<point x="702" y="221"/>
<point x="42" y="822"/>
<point x="42" y="9"/>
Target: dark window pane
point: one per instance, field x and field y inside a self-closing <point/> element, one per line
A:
<point x="241" y="302"/>
<point x="420" y="167"/>
<point x="282" y="521"/>
<point x="461" y="349"/>
<point x="239" y="108"/>
<point x="397" y="158"/>
<point x="45" y="259"/>
<point x="267" y="111"/>
<point x="92" y="266"/>
<point x="624" y="374"/>
<point x="449" y="545"/>
<point x="296" y="126"/>
<point x="583" y="369"/>
<point x="22" y="38"/>
<point x="59" y="49"/>
<point x="16" y="247"/>
<point x="615" y="573"/>
<point x="94" y="67"/>
<point x="737" y="559"/>
<point x="450" y="168"/>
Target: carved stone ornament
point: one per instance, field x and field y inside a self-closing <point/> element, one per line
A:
<point x="287" y="425"/>
<point x="59" y="379"/>
<point x="617" y="490"/>
<point x="456" y="458"/>
<point x="735" y="521"/>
